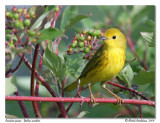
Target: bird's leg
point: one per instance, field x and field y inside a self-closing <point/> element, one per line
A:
<point x="78" y="93"/>
<point x="91" y="95"/>
<point x="119" y="99"/>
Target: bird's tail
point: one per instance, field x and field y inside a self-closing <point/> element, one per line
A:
<point x="71" y="87"/>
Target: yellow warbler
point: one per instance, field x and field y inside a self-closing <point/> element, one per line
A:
<point x="106" y="63"/>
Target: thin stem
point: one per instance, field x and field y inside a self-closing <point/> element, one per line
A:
<point x="22" y="106"/>
<point x="19" y="39"/>
<point x="26" y="38"/>
<point x="41" y="61"/>
<point x="37" y="83"/>
<point x="139" y="106"/>
<point x="64" y="84"/>
<point x="57" y="43"/>
<point x="145" y="58"/>
<point x="12" y="37"/>
<point x="35" y="106"/>
<point x="69" y="107"/>
<point x="60" y="104"/>
<point x="131" y="46"/>
<point x="71" y="99"/>
<point x="131" y="90"/>
<point x="36" y="93"/>
<point x="16" y="68"/>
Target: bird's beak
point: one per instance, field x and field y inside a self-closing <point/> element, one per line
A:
<point x="103" y="38"/>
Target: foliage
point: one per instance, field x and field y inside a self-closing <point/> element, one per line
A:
<point x="69" y="37"/>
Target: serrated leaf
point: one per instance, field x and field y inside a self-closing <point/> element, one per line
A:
<point x="73" y="63"/>
<point x="67" y="14"/>
<point x="10" y="85"/>
<point x="74" y="20"/>
<point x="144" y="77"/>
<point x="50" y="34"/>
<point x="82" y="114"/>
<point x="126" y="75"/>
<point x="55" y="63"/>
<point x="148" y="37"/>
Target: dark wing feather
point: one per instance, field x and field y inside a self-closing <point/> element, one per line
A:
<point x="93" y="62"/>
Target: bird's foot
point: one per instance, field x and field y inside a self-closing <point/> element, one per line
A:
<point x="119" y="99"/>
<point x="92" y="101"/>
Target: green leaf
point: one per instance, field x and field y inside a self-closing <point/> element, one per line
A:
<point x="149" y="38"/>
<point x="62" y="47"/>
<point x="74" y="20"/>
<point x="40" y="16"/>
<point x="87" y="23"/>
<point x="82" y="114"/>
<point x="144" y="77"/>
<point x="50" y="34"/>
<point x="126" y="75"/>
<point x="55" y="63"/>
<point x="73" y="63"/>
<point x="67" y="14"/>
<point x="39" y="21"/>
<point x="10" y="86"/>
<point x="151" y="24"/>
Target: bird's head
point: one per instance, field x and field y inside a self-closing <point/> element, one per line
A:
<point x="114" y="38"/>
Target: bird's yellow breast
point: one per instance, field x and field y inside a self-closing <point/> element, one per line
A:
<point x="110" y="65"/>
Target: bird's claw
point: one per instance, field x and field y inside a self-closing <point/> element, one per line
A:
<point x="119" y="100"/>
<point x="92" y="99"/>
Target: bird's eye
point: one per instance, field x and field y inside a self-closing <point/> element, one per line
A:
<point x="114" y="37"/>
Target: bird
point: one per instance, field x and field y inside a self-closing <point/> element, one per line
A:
<point x="105" y="64"/>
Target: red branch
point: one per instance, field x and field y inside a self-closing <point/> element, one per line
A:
<point x="19" y="39"/>
<point x="131" y="90"/>
<point x="71" y="99"/>
<point x="131" y="46"/>
<point x="35" y="105"/>
<point x="41" y="61"/>
<point x="60" y="105"/>
<point x="16" y="68"/>
<point x="22" y="106"/>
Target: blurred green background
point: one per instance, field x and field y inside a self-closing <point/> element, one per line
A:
<point x="140" y="19"/>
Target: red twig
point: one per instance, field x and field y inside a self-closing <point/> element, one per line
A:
<point x="41" y="61"/>
<point x="37" y="89"/>
<point x="60" y="104"/>
<point x="57" y="43"/>
<point x="139" y="106"/>
<point x="53" y="25"/>
<point x="22" y="106"/>
<point x="131" y="46"/>
<point x="16" y="68"/>
<point x="145" y="58"/>
<point x="57" y="15"/>
<point x="19" y="39"/>
<point x="131" y="90"/>
<point x="35" y="105"/>
<point x="37" y="83"/>
<point x="70" y="105"/>
<point x="64" y="84"/>
<point x="71" y="99"/>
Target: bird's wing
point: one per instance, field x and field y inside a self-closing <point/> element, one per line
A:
<point x="93" y="62"/>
